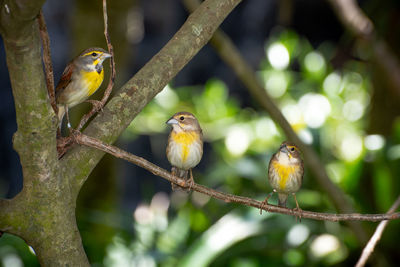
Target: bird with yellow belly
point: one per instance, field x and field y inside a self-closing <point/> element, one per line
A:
<point x="185" y="145"/>
<point x="285" y="173"/>
<point x="80" y="79"/>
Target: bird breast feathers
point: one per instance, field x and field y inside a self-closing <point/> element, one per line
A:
<point x="285" y="172"/>
<point x="92" y="80"/>
<point x="185" y="138"/>
<point x="185" y="149"/>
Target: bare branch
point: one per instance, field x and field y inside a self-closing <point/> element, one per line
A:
<point x="233" y="58"/>
<point x="48" y="66"/>
<point x="369" y="248"/>
<point x="110" y="85"/>
<point x="141" y="162"/>
<point x="353" y="18"/>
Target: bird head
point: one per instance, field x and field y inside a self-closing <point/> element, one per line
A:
<point x="290" y="149"/>
<point x="184" y="121"/>
<point x="92" y="58"/>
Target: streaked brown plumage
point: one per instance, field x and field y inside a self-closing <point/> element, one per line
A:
<point x="185" y="145"/>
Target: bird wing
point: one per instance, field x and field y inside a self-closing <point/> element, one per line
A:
<point x="65" y="79"/>
<point x="201" y="135"/>
<point x="270" y="168"/>
<point x="302" y="169"/>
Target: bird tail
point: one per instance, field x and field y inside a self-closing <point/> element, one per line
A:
<point x="282" y="198"/>
<point x="61" y="113"/>
<point x="181" y="174"/>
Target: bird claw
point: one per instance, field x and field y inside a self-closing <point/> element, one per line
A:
<point x="190" y="181"/>
<point x="298" y="210"/>
<point x="265" y="202"/>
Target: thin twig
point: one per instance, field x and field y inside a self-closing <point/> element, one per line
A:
<point x="48" y="66"/>
<point x="110" y="85"/>
<point x="156" y="170"/>
<point x="369" y="248"/>
<point x="225" y="48"/>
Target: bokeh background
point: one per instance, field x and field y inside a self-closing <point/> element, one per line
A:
<point x="319" y="75"/>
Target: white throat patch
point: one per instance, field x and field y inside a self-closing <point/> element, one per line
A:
<point x="284" y="159"/>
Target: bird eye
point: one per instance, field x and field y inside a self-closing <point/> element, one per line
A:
<point x="94" y="54"/>
<point x="182" y="118"/>
<point x="292" y="149"/>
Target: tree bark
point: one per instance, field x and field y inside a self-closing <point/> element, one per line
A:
<point x="51" y="229"/>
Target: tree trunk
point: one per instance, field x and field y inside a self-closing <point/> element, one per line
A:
<point x="58" y="242"/>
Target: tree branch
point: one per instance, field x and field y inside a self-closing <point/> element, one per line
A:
<point x="12" y="216"/>
<point x="358" y="23"/>
<point x="369" y="248"/>
<point x="141" y="162"/>
<point x="17" y="18"/>
<point x="48" y="66"/>
<point x="149" y="81"/>
<point x="6" y="224"/>
<point x="232" y="57"/>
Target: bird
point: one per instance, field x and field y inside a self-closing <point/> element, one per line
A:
<point x="185" y="146"/>
<point x="80" y="79"/>
<point x="285" y="173"/>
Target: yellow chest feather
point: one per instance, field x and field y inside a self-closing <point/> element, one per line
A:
<point x="284" y="172"/>
<point x="185" y="139"/>
<point x="93" y="80"/>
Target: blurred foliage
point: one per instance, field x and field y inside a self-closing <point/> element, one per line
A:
<point x="327" y="107"/>
<point x="15" y="252"/>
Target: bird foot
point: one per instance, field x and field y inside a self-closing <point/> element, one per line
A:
<point x="265" y="202"/>
<point x="299" y="211"/>
<point x="190" y="183"/>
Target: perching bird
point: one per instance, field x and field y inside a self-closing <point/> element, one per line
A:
<point x="80" y="79"/>
<point x="185" y="145"/>
<point x="285" y="173"/>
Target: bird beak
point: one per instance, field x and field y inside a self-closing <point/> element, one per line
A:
<point x="284" y="149"/>
<point x="172" y="121"/>
<point x="105" y="55"/>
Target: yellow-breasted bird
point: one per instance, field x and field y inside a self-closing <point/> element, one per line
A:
<point x="285" y="173"/>
<point x="185" y="145"/>
<point x="80" y="79"/>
